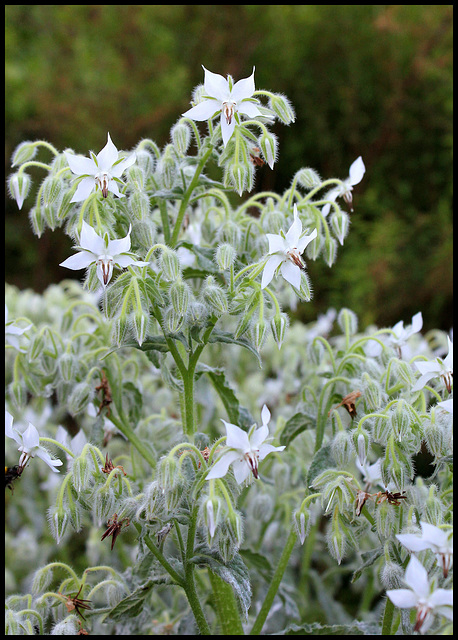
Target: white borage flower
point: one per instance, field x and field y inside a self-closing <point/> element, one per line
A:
<point x="221" y="95"/>
<point x="421" y="595"/>
<point x="29" y="444"/>
<point x="12" y="332"/>
<point x="440" y="541"/>
<point x="435" y="368"/>
<point x="245" y="450"/>
<point x="103" y="252"/>
<point x="102" y="171"/>
<point x="357" y="171"/>
<point x="400" y="334"/>
<point x="285" y="253"/>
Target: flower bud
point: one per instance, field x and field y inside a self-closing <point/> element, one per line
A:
<point x="180" y="296"/>
<point x="308" y="178"/>
<point x="259" y="334"/>
<point x="305" y="291"/>
<point x="340" y="224"/>
<point x="139" y="205"/>
<point x="373" y="395"/>
<point x="173" y="321"/>
<point x="313" y="249"/>
<point x="336" y="539"/>
<point x="68" y="367"/>
<point x="50" y="213"/>
<point x="170" y="264"/>
<point x="342" y="449"/>
<point x="385" y="518"/>
<point x="24" y="152"/>
<point x="19" y="186"/>
<point x="230" y="233"/>
<point x="273" y="221"/>
<point x="302" y="522"/>
<point x="348" y="321"/>
<point x="282" y="108"/>
<point x="225" y="256"/>
<point x="58" y="521"/>
<point x="330" y="250"/>
<point x="211" y="514"/>
<point x="269" y="147"/>
<point x="167" y="167"/>
<point x="136" y="177"/>
<point x="80" y="397"/>
<point x="37" y="220"/>
<point x="120" y="330"/>
<point x="214" y="297"/>
<point x="392" y="576"/>
<point x="140" y="326"/>
<point x="435" y="437"/>
<point x="240" y="176"/>
<point x="434" y="507"/>
<point x="51" y="190"/>
<point x="181" y="136"/>
<point x="278" y="326"/>
<point x="145" y="161"/>
<point x="361" y="442"/>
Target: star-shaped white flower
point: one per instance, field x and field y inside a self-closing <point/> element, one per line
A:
<point x="357" y="171"/>
<point x="245" y="450"/>
<point x="222" y="96"/>
<point x="436" y="368"/>
<point x="427" y="601"/>
<point x="285" y="252"/>
<point x="401" y="334"/>
<point x="29" y="444"/>
<point x="102" y="171"/>
<point x="440" y="541"/>
<point x="104" y="252"/>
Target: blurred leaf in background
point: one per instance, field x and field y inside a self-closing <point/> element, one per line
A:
<point x="370" y="80"/>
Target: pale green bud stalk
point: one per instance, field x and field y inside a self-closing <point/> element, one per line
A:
<point x="170" y="264"/>
<point x="24" y="152"/>
<point x="181" y="137"/>
<point x="282" y="108"/>
<point x="225" y="256"/>
<point x="139" y="205"/>
<point x="278" y="326"/>
<point x="19" y="187"/>
<point x="340" y="224"/>
<point x="307" y="178"/>
<point x="180" y="296"/>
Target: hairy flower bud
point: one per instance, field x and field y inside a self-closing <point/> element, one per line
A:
<point x="373" y="395"/>
<point x="170" y="264"/>
<point x="180" y="296"/>
<point x="225" y="256"/>
<point x="24" y="152"/>
<point x="37" y="220"/>
<point x="145" y="161"/>
<point x="240" y="176"/>
<point x="19" y="187"/>
<point x="139" y="204"/>
<point x="259" y="334"/>
<point x="340" y="224"/>
<point x="348" y="321"/>
<point x="278" y="326"/>
<point x="167" y="167"/>
<point x="305" y="291"/>
<point x="68" y="367"/>
<point x="342" y="449"/>
<point x="80" y="397"/>
<point x="385" y="518"/>
<point x="282" y="108"/>
<point x="308" y="178"/>
<point x="269" y="147"/>
<point x="302" y="522"/>
<point x="181" y="136"/>
<point x="140" y="323"/>
<point x="330" y="250"/>
<point x="214" y="297"/>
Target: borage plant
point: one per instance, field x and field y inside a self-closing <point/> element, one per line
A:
<point x="206" y="493"/>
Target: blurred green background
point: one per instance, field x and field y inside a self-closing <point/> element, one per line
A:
<point x="370" y="80"/>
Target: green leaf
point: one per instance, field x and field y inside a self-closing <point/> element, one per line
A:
<point x="322" y="460"/>
<point x="368" y="557"/>
<point x="298" y="423"/>
<point x="133" y="604"/>
<point x="317" y="629"/>
<point x="224" y="336"/>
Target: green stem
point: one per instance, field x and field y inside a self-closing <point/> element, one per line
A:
<point x="388" y="618"/>
<point x="226" y="606"/>
<point x="190" y="587"/>
<point x="274" y="584"/>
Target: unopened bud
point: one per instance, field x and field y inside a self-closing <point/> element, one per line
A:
<point x="170" y="265"/>
<point x="140" y="325"/>
<point x="340" y="224"/>
<point x="259" y="334"/>
<point x="330" y="250"/>
<point x="373" y="395"/>
<point x="305" y="291"/>
<point x="269" y="147"/>
<point x="342" y="449"/>
<point x="80" y="397"/>
<point x="282" y="108"/>
<point x="225" y="256"/>
<point x="181" y="137"/>
<point x="19" y="186"/>
<point x="180" y="296"/>
<point x="278" y="326"/>
<point x="167" y="167"/>
<point x="214" y="296"/>
<point x="37" y="220"/>
<point x="308" y="178"/>
<point x="348" y="321"/>
<point x="239" y="176"/>
<point x="302" y="522"/>
<point x="51" y="190"/>
<point x="145" y="161"/>
<point x="24" y="152"/>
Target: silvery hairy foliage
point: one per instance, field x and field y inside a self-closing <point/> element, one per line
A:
<point x="182" y="455"/>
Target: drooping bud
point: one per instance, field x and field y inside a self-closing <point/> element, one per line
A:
<point x="170" y="264"/>
<point x="308" y="178"/>
<point x="24" y="152"/>
<point x="348" y="321"/>
<point x="340" y="224"/>
<point x="181" y="136"/>
<point x="180" y="296"/>
<point x="214" y="297"/>
<point x="19" y="186"/>
<point x="225" y="256"/>
<point x="282" y="108"/>
<point x="269" y="147"/>
<point x="278" y="326"/>
<point x="302" y="523"/>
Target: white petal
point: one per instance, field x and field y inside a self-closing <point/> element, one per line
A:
<point x="115" y="247"/>
<point x="417" y="322"/>
<point x="236" y="438"/>
<point x="258" y="437"/>
<point x="90" y="240"/>
<point x="265" y="415"/>
<point x="277" y="244"/>
<point x="295" y="230"/>
<point x="357" y="170"/>
<point x="306" y="240"/>
<point x="30" y="438"/>
<point x="243" y="88"/>
<point x="265" y="449"/>
<point x="291" y="273"/>
<point x="80" y="165"/>
<point x="204" y="110"/>
<point x="402" y="598"/>
<point x="120" y="167"/>
<point x="416" y="577"/>
<point x="442" y="597"/>
<point x="227" y="129"/>
<point x="269" y="270"/>
<point x="80" y="260"/>
<point x="113" y="187"/>
<point x="412" y="542"/>
<point x="249" y="109"/>
<point x="420" y="383"/>
<point x="83" y="190"/>
<point x="221" y="467"/>
<point x="108" y="156"/>
<point x="51" y="462"/>
<point x="216" y="85"/>
<point x="241" y="471"/>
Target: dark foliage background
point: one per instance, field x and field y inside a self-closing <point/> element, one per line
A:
<point x="370" y="80"/>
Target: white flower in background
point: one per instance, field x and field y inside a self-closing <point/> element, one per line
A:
<point x="245" y="450"/>
<point x="420" y="595"/>
<point x="103" y="252"/>
<point x="357" y="171"/>
<point x="29" y="444"/>
<point x="440" y="541"/>
<point x="400" y="334"/>
<point x="102" y="171"/>
<point x="222" y="96"/>
<point x="436" y="368"/>
<point x="446" y="405"/>
<point x="285" y="252"/>
<point x="12" y="332"/>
